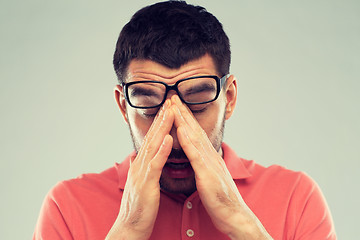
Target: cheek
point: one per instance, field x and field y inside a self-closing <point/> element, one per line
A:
<point x="139" y="125"/>
<point x="211" y="121"/>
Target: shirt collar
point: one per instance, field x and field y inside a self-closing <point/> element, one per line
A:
<point x="234" y="164"/>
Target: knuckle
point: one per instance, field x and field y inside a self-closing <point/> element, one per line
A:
<point x="186" y="144"/>
<point x="150" y="148"/>
<point x="153" y="166"/>
<point x="196" y="139"/>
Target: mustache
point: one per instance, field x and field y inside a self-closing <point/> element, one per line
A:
<point x="177" y="154"/>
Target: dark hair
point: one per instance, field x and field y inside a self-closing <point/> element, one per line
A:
<point x="172" y="33"/>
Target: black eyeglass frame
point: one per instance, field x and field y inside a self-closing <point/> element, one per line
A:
<point x="219" y="84"/>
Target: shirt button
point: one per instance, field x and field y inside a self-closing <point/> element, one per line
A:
<point x="189" y="205"/>
<point x="190" y="232"/>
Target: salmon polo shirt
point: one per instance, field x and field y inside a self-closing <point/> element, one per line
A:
<point x="289" y="204"/>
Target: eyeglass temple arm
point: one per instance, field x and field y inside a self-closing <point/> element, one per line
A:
<point x="223" y="79"/>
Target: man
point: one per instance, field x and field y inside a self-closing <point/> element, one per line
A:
<point x="182" y="182"/>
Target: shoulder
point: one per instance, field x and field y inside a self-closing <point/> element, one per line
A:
<point x="277" y="174"/>
<point x="288" y="202"/>
<point x="295" y="191"/>
<point x="85" y="184"/>
<point x="74" y="206"/>
<point x="280" y="184"/>
<point x="251" y="174"/>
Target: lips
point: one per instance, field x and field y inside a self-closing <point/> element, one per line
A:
<point x="178" y="168"/>
<point x="180" y="165"/>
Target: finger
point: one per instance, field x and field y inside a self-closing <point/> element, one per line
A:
<point x="179" y="119"/>
<point x="157" y="163"/>
<point x="185" y="118"/>
<point x="157" y="121"/>
<point x="184" y="113"/>
<point x="194" y="154"/>
<point x="157" y="132"/>
<point x="202" y="153"/>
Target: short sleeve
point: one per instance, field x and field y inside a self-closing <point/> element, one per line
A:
<point x="51" y="223"/>
<point x="309" y="213"/>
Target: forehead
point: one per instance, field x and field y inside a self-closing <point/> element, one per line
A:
<point x="140" y="70"/>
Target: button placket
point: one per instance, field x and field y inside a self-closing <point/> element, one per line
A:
<point x="190" y="218"/>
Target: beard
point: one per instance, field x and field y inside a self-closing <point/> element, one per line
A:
<point x="186" y="185"/>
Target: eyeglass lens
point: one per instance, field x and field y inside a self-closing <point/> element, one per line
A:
<point x="193" y="91"/>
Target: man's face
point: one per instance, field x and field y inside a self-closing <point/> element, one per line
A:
<point x="177" y="175"/>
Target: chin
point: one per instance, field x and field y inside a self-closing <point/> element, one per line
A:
<point x="178" y="185"/>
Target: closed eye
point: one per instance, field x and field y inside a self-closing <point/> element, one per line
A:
<point x="199" y="108"/>
<point x="149" y="113"/>
<point x="143" y="92"/>
<point x="199" y="89"/>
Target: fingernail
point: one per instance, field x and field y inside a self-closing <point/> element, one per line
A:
<point x="174" y="98"/>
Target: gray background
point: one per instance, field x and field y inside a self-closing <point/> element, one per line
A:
<point x="297" y="63"/>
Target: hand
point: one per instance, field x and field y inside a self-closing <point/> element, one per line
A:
<point x="141" y="197"/>
<point x="215" y="186"/>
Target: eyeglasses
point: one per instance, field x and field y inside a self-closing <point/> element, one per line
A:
<point x="192" y="90"/>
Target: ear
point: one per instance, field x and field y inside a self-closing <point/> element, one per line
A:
<point x="230" y="95"/>
<point x="120" y="100"/>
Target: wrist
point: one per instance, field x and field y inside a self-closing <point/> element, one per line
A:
<point x="249" y="229"/>
<point x="126" y="233"/>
